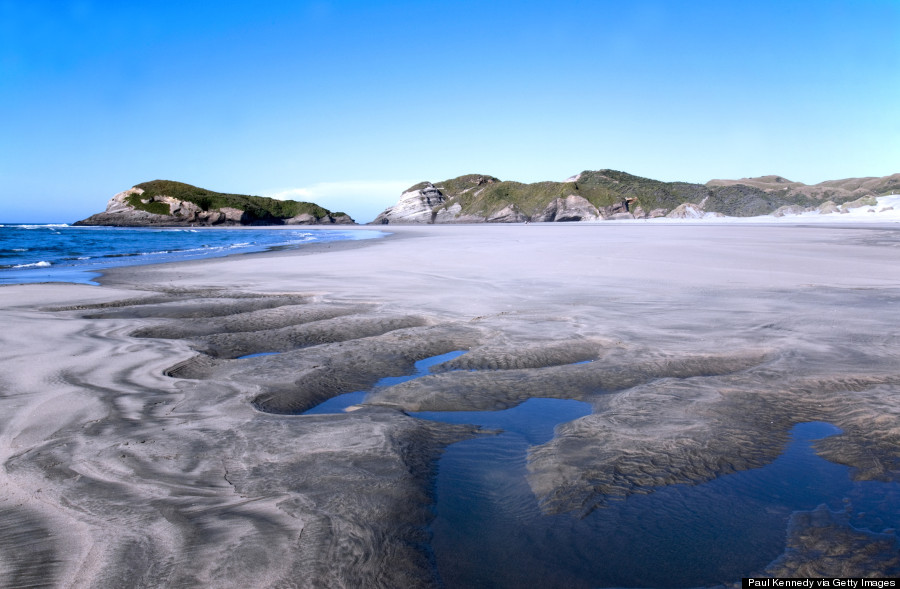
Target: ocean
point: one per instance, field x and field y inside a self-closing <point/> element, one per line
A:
<point x="60" y="253"/>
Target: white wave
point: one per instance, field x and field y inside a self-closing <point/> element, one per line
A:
<point x="40" y="264"/>
<point x="203" y="248"/>
<point x="47" y="226"/>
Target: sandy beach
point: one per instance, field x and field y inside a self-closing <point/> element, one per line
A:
<point x="140" y="449"/>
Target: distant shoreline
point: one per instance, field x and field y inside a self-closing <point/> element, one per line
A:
<point x="61" y="253"/>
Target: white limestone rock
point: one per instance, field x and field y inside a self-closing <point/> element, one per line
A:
<point x="686" y="210"/>
<point x="508" y="214"/>
<point x="414" y="206"/>
<point x="570" y="208"/>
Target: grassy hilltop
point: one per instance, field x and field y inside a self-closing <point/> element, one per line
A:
<point x="259" y="207"/>
<point x="166" y="202"/>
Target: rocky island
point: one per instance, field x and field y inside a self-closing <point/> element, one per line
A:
<point x="614" y="195"/>
<point x="166" y="203"/>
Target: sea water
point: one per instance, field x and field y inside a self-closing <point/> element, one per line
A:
<point x="61" y="253"/>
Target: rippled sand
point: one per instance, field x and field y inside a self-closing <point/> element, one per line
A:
<point x="140" y="449"/>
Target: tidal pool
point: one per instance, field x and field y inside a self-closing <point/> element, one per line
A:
<point x="340" y="403"/>
<point x="489" y="530"/>
<point x="257" y="355"/>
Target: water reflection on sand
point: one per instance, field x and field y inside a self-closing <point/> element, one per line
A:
<point x="489" y="529"/>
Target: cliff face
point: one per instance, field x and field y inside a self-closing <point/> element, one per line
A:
<point x="165" y="203"/>
<point x="414" y="207"/>
<point x="608" y="194"/>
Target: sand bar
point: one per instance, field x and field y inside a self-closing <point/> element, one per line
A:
<point x="140" y="450"/>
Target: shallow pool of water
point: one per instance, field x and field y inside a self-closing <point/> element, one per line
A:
<point x="340" y="403"/>
<point x="489" y="530"/>
<point x="257" y="355"/>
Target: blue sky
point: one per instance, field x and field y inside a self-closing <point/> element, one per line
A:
<point x="346" y="103"/>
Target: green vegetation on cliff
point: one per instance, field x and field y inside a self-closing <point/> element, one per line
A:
<point x="257" y="207"/>
<point x="615" y="186"/>
<point x="602" y="189"/>
<point x="481" y="195"/>
<point x="155" y="207"/>
<point x="747" y="201"/>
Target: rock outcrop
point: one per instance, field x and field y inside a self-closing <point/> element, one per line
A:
<point x="570" y="208"/>
<point x="427" y="203"/>
<point x="147" y="205"/>
<point x="864" y="201"/>
<point x="789" y="210"/>
<point x="508" y="214"/>
<point x="687" y="210"/>
<point x="828" y="207"/>
<point x="415" y="206"/>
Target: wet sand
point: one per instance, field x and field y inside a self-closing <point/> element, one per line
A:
<point x="140" y="449"/>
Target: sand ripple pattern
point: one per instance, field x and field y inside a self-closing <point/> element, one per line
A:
<point x="140" y="449"/>
<point x="135" y="478"/>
